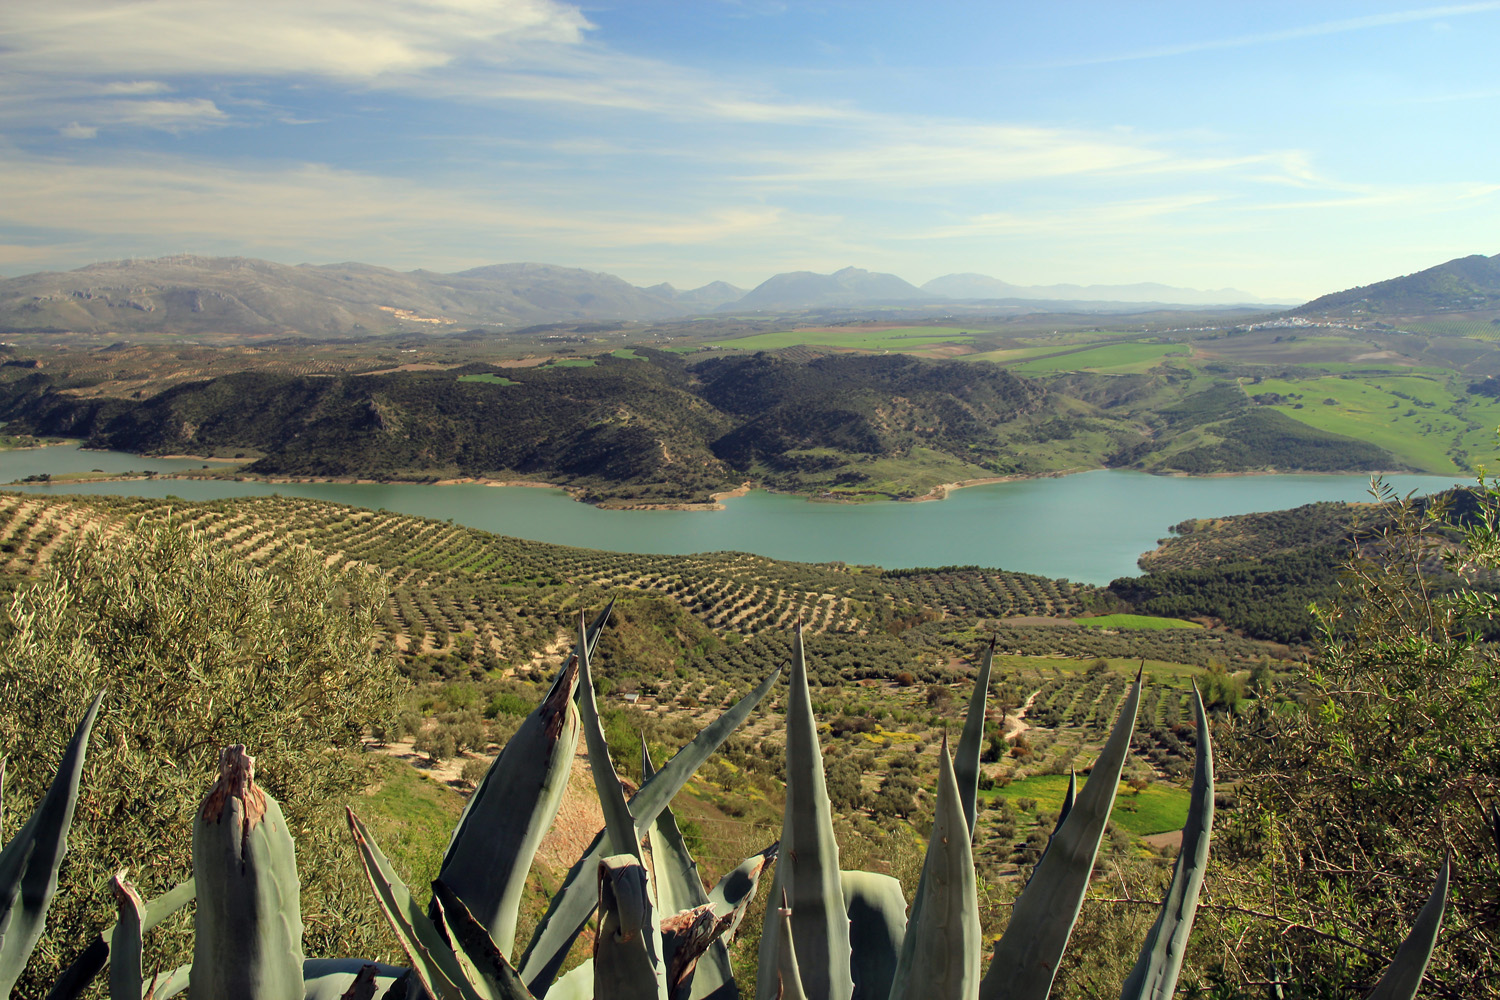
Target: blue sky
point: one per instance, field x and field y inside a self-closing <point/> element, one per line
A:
<point x="1286" y="149"/>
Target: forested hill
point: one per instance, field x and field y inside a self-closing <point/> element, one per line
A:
<point x="646" y="427"/>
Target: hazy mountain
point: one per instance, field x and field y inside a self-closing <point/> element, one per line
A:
<point x="982" y="286"/>
<point x="198" y="295"/>
<point x="853" y="286"/>
<point x="708" y="297"/>
<point x="1465" y="284"/>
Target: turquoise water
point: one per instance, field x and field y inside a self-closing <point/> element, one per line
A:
<point x="1091" y="526"/>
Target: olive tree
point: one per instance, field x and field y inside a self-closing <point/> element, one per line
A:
<point x="195" y="649"/>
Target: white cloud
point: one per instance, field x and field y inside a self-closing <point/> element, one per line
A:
<point x="135" y="88"/>
<point x="74" y="130"/>
<point x="345" y="39"/>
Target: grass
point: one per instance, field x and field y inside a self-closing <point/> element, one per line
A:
<point x="412" y="818"/>
<point x="1112" y="358"/>
<point x="912" y="474"/>
<point x="488" y="378"/>
<point x="1134" y="621"/>
<point x="1417" y="418"/>
<point x="908" y="338"/>
<point x="1159" y="808"/>
<point x="628" y="354"/>
<point x="574" y="363"/>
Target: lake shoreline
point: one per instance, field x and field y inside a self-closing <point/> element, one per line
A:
<point x="938" y="492"/>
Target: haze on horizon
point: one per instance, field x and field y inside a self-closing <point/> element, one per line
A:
<point x="1285" y="149"/>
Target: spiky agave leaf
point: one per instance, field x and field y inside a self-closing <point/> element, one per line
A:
<point x="334" y="978"/>
<point x="1404" y="977"/>
<point x="970" y="744"/>
<point x="788" y="974"/>
<point x="627" y="949"/>
<point x="432" y="959"/>
<point x="733" y="893"/>
<point x="679" y="888"/>
<point x="247" y="931"/>
<point x="1027" y="955"/>
<point x="484" y="965"/>
<point x="876" y="907"/>
<point x="574" y="903"/>
<point x="125" y="941"/>
<point x="808" y="870"/>
<point x="940" y="955"/>
<point x="30" y="861"/>
<point x="504" y="821"/>
<point x="1155" y="974"/>
<point x="92" y="960"/>
<point x="619" y="826"/>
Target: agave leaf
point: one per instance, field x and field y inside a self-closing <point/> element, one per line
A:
<point x="432" y="959"/>
<point x="1402" y="980"/>
<point x="30" y="861"/>
<point x="678" y="885"/>
<point x="788" y="974"/>
<point x="877" y="925"/>
<point x="571" y="907"/>
<point x="940" y="954"/>
<point x="483" y="967"/>
<point x="247" y="927"/>
<point x="1155" y="974"/>
<point x="1027" y="955"/>
<point x="1068" y="800"/>
<point x="627" y="950"/>
<point x="808" y="872"/>
<point x="125" y="942"/>
<point x="577" y="984"/>
<point x="966" y="761"/>
<point x="685" y="938"/>
<point x="504" y="821"/>
<point x="92" y="960"/>
<point x="484" y="964"/>
<point x="679" y="888"/>
<point x="170" y="985"/>
<point x="332" y="978"/>
<point x="733" y="893"/>
<point x="619" y="825"/>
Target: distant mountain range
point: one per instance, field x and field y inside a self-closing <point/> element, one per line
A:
<point x="191" y="295"/>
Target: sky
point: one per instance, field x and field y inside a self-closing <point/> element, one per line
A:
<point x="1283" y="149"/>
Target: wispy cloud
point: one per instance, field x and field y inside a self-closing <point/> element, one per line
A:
<point x="316" y="211"/>
<point x="346" y="39"/>
<point x="1124" y="216"/>
<point x="1365" y="23"/>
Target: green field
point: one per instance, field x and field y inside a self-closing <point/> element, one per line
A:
<point x="1160" y="808"/>
<point x="908" y="338"/>
<point x="1134" y="621"/>
<point x="1417" y="418"/>
<point x="1112" y="358"/>
<point x="627" y="353"/>
<point x="1474" y="329"/>
<point x="487" y="378"/>
<point x="574" y="363"/>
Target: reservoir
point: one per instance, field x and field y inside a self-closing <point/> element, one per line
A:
<point x="1091" y="526"/>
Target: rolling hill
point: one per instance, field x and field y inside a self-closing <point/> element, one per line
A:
<point x="1465" y="284"/>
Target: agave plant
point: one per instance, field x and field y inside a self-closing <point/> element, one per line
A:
<point x="661" y="934"/>
<point x="30" y="860"/>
